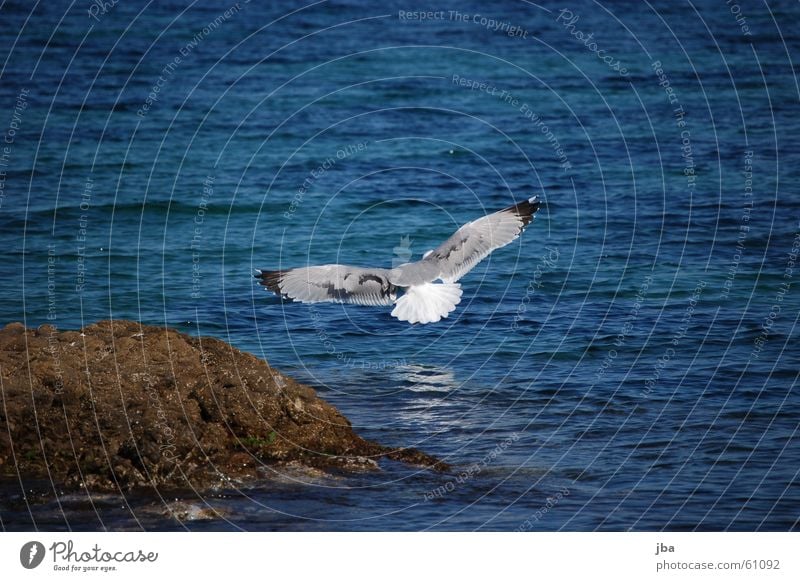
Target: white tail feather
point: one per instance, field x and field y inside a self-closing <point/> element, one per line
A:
<point x="427" y="303"/>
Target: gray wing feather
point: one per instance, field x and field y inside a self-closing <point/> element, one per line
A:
<point x="332" y="283"/>
<point x="476" y="240"/>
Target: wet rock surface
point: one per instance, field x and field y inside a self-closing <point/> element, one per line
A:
<point x="119" y="405"/>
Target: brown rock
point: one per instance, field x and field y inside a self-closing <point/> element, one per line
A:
<point x="121" y="405"/>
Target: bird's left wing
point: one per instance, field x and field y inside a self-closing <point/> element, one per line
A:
<point x="331" y="283"/>
<point x="474" y="241"/>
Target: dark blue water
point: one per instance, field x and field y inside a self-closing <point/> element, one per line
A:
<point x="629" y="363"/>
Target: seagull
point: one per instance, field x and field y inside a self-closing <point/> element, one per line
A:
<point x="430" y="286"/>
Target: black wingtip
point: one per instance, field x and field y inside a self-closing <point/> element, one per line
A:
<point x="526" y="209"/>
<point x="271" y="279"/>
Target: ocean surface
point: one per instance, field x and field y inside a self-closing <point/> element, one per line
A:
<point x="630" y="363"/>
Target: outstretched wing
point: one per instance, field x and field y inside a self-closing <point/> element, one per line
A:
<point x="476" y="240"/>
<point x="331" y="283"/>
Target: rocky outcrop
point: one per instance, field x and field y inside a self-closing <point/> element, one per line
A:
<point x="119" y="405"/>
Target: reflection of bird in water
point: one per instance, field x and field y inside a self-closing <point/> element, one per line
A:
<point x="424" y="300"/>
<point x="418" y="377"/>
<point x="433" y="405"/>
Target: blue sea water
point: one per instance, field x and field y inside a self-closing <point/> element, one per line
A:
<point x="628" y="364"/>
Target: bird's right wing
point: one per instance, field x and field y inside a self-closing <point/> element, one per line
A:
<point x="331" y="283"/>
<point x="476" y="240"/>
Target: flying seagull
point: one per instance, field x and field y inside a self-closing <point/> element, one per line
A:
<point x="430" y="288"/>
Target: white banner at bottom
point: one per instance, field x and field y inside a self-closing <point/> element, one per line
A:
<point x="355" y="556"/>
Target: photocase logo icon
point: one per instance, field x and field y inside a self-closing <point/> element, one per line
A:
<point x="31" y="554"/>
<point x="402" y="252"/>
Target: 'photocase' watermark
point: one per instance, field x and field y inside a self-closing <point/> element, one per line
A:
<point x="473" y="470"/>
<point x="547" y="263"/>
<point x="626" y="330"/>
<point x="166" y="443"/>
<point x="329" y="345"/>
<point x="100" y="8"/>
<point x="568" y="20"/>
